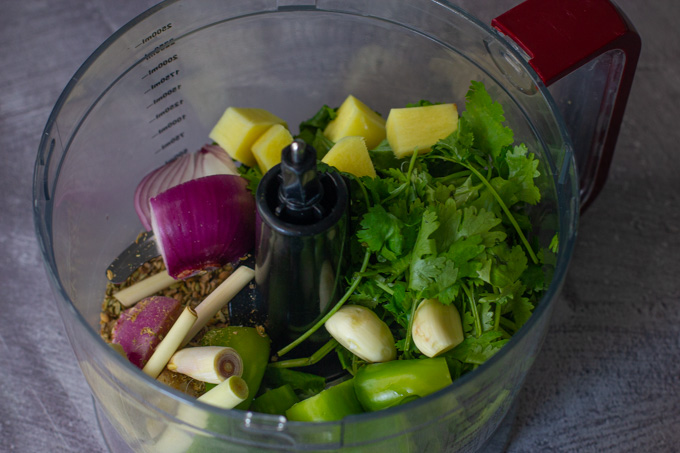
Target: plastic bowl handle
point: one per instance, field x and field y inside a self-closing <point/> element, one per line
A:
<point x="562" y="36"/>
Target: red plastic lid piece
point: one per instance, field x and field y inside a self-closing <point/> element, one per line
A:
<point x="561" y="35"/>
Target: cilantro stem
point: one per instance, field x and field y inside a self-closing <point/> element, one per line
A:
<point x="508" y="324"/>
<point x="385" y="288"/>
<point x="500" y="201"/>
<point x="506" y="210"/>
<point x="473" y="308"/>
<point x="453" y="176"/>
<point x="407" y="340"/>
<point x="407" y="184"/>
<point x="306" y="361"/>
<point x="497" y="317"/>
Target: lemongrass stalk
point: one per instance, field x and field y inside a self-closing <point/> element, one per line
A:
<point x="169" y="345"/>
<point x="219" y="298"/>
<point x="228" y="394"/>
<point x="144" y="288"/>
<point x="212" y="364"/>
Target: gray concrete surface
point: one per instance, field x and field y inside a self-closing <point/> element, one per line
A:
<point x="608" y="377"/>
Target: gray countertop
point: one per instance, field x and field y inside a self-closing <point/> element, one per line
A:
<point x="608" y="376"/>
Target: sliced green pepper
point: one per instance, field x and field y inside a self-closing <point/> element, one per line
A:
<point x="253" y="348"/>
<point x="332" y="404"/>
<point x="382" y="385"/>
<point x="304" y="384"/>
<point x="275" y="401"/>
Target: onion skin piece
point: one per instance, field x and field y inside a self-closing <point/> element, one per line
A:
<point x="140" y="329"/>
<point x="203" y="223"/>
<point x="209" y="160"/>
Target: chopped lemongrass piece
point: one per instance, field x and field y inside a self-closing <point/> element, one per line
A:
<point x="228" y="394"/>
<point x="211" y="364"/>
<point x="365" y="335"/>
<point x="219" y="298"/>
<point x="144" y="288"/>
<point x="436" y="327"/>
<point x="169" y="345"/>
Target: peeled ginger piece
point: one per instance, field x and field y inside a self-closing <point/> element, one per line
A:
<point x="356" y="119"/>
<point x="413" y="129"/>
<point x="350" y="155"/>
<point x="267" y="149"/>
<point x="239" y="128"/>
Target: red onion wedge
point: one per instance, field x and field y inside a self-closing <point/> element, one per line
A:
<point x="209" y="160"/>
<point x="140" y="328"/>
<point x="203" y="223"/>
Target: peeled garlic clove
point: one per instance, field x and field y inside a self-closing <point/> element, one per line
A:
<point x="436" y="327"/>
<point x="212" y="364"/>
<point x="360" y="330"/>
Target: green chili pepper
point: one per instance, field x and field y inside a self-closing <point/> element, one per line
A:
<point x="304" y="384"/>
<point x="382" y="385"/>
<point x="275" y="401"/>
<point x="253" y="348"/>
<point x="332" y="404"/>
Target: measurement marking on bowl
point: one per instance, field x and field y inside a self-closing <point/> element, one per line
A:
<point x="164" y="91"/>
<point x="163" y="79"/>
<point x="161" y="65"/>
<point x="171" y="124"/>
<point x="168" y="109"/>
<point x="171" y="91"/>
<point x="172" y="141"/>
<point x="158" y="49"/>
<point x="156" y="33"/>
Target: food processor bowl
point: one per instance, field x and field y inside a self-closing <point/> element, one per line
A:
<point x="154" y="90"/>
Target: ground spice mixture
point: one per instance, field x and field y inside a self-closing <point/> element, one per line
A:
<point x="190" y="291"/>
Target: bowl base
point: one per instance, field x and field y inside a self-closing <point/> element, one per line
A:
<point x="498" y="442"/>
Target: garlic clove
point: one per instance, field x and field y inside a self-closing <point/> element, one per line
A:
<point x="212" y="364"/>
<point x="436" y="327"/>
<point x="360" y="330"/>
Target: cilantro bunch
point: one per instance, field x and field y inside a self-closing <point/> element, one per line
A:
<point x="451" y="224"/>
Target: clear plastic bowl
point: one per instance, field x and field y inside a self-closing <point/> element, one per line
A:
<point x="158" y="85"/>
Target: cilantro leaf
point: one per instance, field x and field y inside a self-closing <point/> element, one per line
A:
<point x="381" y="232"/>
<point x="464" y="253"/>
<point x="251" y="174"/>
<point x="433" y="275"/>
<point x="311" y="130"/>
<point x="509" y="264"/>
<point x="521" y="308"/>
<point x="484" y="119"/>
<point x="477" y="350"/>
<point x="423" y="247"/>
<point x="523" y="168"/>
<point x="383" y="157"/>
